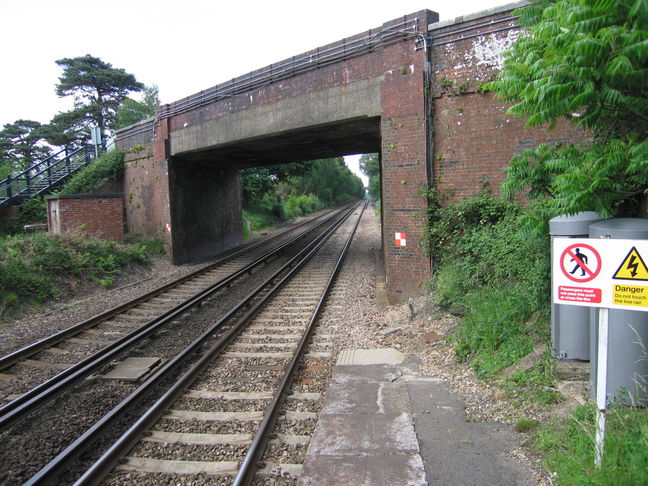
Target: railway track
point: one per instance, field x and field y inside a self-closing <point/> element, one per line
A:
<point x="31" y="374"/>
<point x="261" y="352"/>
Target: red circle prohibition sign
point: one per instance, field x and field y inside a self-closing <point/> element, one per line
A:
<point x="586" y="267"/>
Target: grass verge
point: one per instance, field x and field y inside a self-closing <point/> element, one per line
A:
<point x="35" y="268"/>
<point x="568" y="448"/>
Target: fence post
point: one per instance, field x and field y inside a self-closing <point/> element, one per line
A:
<point x="9" y="194"/>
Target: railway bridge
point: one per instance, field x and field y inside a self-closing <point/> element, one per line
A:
<point x="402" y="89"/>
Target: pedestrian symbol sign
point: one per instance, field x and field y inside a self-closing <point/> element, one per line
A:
<point x="580" y="263"/>
<point x="632" y="267"/>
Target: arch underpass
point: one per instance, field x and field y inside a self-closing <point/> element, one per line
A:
<point x="206" y="202"/>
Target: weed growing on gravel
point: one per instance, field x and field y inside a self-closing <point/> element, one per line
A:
<point x="524" y="426"/>
<point x="492" y="333"/>
<point x="534" y="386"/>
<point x="568" y="445"/>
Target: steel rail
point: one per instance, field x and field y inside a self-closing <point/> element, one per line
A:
<point x="36" y="347"/>
<point x="247" y="470"/>
<point x="127" y="440"/>
<point x="41" y="394"/>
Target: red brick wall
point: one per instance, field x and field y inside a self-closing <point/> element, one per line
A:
<point x="146" y="194"/>
<point x="404" y="130"/>
<point x="474" y="138"/>
<point x="100" y="216"/>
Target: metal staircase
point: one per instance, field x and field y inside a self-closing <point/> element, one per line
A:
<point x="44" y="176"/>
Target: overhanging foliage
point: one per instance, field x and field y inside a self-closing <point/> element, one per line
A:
<point x="586" y="61"/>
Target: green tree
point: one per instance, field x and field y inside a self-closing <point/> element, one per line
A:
<point x="68" y="128"/>
<point x="585" y="61"/>
<point x="331" y="181"/>
<point x="259" y="181"/>
<point x="21" y="144"/>
<point x="370" y="166"/>
<point x="131" y="111"/>
<point x="98" y="90"/>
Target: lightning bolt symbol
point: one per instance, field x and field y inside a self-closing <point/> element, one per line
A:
<point x="633" y="266"/>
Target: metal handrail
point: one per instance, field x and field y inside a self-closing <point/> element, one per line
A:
<point x="51" y="171"/>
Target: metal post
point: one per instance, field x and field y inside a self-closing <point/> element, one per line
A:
<point x="9" y="187"/>
<point x="601" y="385"/>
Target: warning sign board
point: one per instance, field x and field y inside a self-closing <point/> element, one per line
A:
<point x="632" y="295"/>
<point x="632" y="267"/>
<point x="579" y="294"/>
<point x="600" y="273"/>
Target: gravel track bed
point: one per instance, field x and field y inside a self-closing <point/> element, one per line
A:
<point x="201" y="427"/>
<point x="276" y="327"/>
<point x="277" y="480"/>
<point x="81" y="349"/>
<point x="234" y="366"/>
<point x="295" y="427"/>
<point x="159" y="450"/>
<point x="34" y="441"/>
<point x="88" y="402"/>
<point x="184" y="330"/>
<point x="24" y="379"/>
<point x="285" y="454"/>
<point x="131" y="283"/>
<point x="187" y="403"/>
<point x="121" y="478"/>
<point x="239" y="374"/>
<point x="242" y="384"/>
<point x="271" y="340"/>
<point x="314" y="406"/>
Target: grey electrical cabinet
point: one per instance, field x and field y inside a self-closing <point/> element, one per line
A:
<point x="627" y="373"/>
<point x="570" y="324"/>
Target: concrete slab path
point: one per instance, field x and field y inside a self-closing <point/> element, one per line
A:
<point x="384" y="425"/>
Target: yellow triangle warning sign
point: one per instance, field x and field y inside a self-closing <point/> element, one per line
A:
<point x="632" y="267"/>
